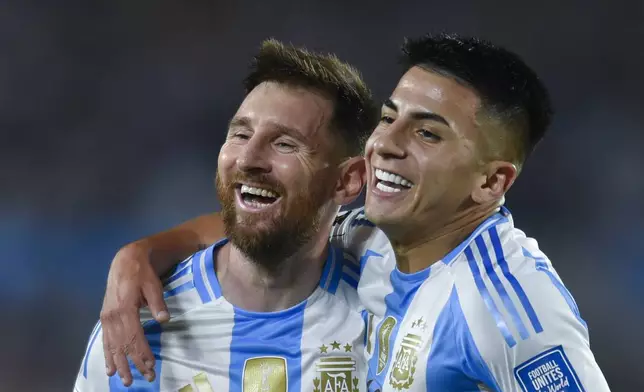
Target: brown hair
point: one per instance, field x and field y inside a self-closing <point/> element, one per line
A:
<point x="355" y="114"/>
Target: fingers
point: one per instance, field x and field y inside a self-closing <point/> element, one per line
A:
<point x="110" y="366"/>
<point x="136" y="345"/>
<point x="153" y="295"/>
<point x="112" y="330"/>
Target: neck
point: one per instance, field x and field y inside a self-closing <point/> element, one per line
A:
<point x="250" y="286"/>
<point x="415" y="253"/>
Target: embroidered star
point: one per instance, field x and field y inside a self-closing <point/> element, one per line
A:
<point x="323" y="349"/>
<point x="335" y="345"/>
<point x="347" y="348"/>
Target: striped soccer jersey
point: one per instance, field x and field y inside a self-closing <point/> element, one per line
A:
<point x="491" y="315"/>
<point x="209" y="345"/>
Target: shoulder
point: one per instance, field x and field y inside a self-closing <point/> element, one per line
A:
<point x="192" y="283"/>
<point x="351" y="225"/>
<point x="513" y="300"/>
<point x="340" y="278"/>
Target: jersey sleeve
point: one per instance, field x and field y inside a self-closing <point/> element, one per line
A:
<point x="354" y="233"/>
<point x="546" y="346"/>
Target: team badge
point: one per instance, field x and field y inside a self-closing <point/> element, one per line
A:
<point x="404" y="366"/>
<point x="336" y="371"/>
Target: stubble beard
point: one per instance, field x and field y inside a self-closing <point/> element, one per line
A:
<point x="270" y="238"/>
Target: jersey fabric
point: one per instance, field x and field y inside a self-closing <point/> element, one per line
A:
<point x="492" y="315"/>
<point x="209" y="345"/>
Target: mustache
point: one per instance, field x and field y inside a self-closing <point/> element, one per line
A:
<point x="259" y="179"/>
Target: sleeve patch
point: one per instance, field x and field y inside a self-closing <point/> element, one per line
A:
<point x="549" y="371"/>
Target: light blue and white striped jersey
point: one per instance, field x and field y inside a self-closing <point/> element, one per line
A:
<point x="492" y="315"/>
<point x="209" y="345"/>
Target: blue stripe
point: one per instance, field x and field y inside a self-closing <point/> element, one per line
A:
<point x="361" y="222"/>
<point x="152" y="331"/>
<point x="455" y="362"/>
<point x="489" y="303"/>
<point x="500" y="259"/>
<point x="495" y="219"/>
<point x="327" y="268"/>
<point x="189" y="285"/>
<point x="349" y="279"/>
<point x="179" y="274"/>
<point x="365" y="258"/>
<point x="352" y="266"/>
<point x="184" y="263"/>
<point x="542" y="266"/>
<point x="365" y="318"/>
<point x="210" y="267"/>
<point x="494" y="278"/>
<point x="198" y="278"/>
<point x="95" y="331"/>
<point x="337" y="271"/>
<point x="276" y="334"/>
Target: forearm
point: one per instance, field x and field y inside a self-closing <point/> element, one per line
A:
<point x="167" y="248"/>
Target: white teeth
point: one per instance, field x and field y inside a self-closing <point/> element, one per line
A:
<point x="393" y="178"/>
<point x="386" y="188"/>
<point x="256" y="204"/>
<point x="258" y="191"/>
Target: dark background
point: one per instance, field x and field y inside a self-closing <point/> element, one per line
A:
<point x="112" y="115"/>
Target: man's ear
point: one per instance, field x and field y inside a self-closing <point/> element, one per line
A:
<point x="352" y="179"/>
<point x="494" y="182"/>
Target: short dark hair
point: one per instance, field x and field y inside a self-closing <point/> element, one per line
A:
<point x="509" y="90"/>
<point x="355" y="113"/>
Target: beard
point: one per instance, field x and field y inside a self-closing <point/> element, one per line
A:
<point x="268" y="238"/>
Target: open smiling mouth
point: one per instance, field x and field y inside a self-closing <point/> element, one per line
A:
<point x="391" y="182"/>
<point x="256" y="197"/>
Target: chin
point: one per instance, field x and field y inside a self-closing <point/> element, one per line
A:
<point x="380" y="217"/>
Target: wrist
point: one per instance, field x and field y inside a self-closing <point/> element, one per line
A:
<point x="138" y="250"/>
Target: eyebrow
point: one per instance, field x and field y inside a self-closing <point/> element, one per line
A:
<point x="418" y="115"/>
<point x="245" y="122"/>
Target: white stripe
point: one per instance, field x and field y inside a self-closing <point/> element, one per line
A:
<point x="351" y="273"/>
<point x="438" y="289"/>
<point x="202" y="267"/>
<point x="184" y="279"/>
<point x="331" y="269"/>
<point x="329" y="318"/>
<point x="491" y="288"/>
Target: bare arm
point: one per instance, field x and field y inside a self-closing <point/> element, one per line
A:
<point x="133" y="281"/>
<point x="168" y="248"/>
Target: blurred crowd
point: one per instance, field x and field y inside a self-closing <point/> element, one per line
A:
<point x="112" y="115"/>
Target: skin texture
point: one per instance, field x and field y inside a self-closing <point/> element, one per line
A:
<point x="279" y="139"/>
<point x="431" y="134"/>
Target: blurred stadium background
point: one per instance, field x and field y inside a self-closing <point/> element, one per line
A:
<point x="112" y="114"/>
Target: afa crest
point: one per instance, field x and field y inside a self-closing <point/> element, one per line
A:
<point x="336" y="372"/>
<point x="404" y="366"/>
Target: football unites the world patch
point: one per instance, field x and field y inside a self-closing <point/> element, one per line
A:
<point x="549" y="371"/>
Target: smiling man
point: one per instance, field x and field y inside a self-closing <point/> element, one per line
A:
<point x="273" y="306"/>
<point x="458" y="298"/>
